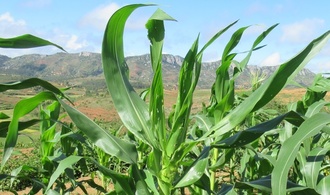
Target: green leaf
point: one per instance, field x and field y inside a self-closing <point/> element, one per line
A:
<point x="156" y="34"/>
<point x="288" y="70"/>
<point x="64" y="164"/>
<point x="245" y="61"/>
<point x="132" y="110"/>
<point x="22" y="108"/>
<point x="264" y="184"/>
<point x="323" y="185"/>
<point x="32" y="82"/>
<point x="215" y="37"/>
<point x="21" y="126"/>
<point x="249" y="135"/>
<point x="290" y="147"/>
<point x="3" y="116"/>
<point x="123" y="181"/>
<point x="110" y="144"/>
<point x="139" y="181"/>
<point x="188" y="77"/>
<point x="26" y="41"/>
<point x="195" y="171"/>
<point x="269" y="89"/>
<point x="316" y="108"/>
<point x="311" y="169"/>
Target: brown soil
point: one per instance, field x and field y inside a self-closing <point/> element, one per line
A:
<point x="77" y="191"/>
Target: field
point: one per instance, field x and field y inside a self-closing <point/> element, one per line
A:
<point x="100" y="108"/>
<point x="268" y="139"/>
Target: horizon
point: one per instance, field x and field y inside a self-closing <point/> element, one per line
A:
<point x="79" y="53"/>
<point x="82" y="30"/>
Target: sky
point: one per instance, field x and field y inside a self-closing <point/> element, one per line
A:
<point x="79" y="25"/>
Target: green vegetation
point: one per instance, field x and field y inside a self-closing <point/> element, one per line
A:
<point x="236" y="143"/>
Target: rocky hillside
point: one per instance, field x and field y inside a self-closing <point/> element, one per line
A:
<point x="65" y="67"/>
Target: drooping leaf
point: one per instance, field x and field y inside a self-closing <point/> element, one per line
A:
<point x="119" y="179"/>
<point x="264" y="184"/>
<point x="21" y="126"/>
<point x="26" y="41"/>
<point x="32" y="82"/>
<point x="247" y="136"/>
<point x="110" y="144"/>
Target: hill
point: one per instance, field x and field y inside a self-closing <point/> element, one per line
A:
<point x="86" y="67"/>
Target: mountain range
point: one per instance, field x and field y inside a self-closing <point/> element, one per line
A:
<point x="67" y="67"/>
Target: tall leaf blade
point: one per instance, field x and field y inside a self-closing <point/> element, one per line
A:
<point x="290" y="147"/>
<point x="188" y="77"/>
<point x="156" y="34"/>
<point x="132" y="110"/>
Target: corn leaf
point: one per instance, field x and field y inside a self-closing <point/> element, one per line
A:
<point x="264" y="184"/>
<point x="3" y="116"/>
<point x="245" y="61"/>
<point x="215" y="37"/>
<point x="21" y="126"/>
<point x="110" y="144"/>
<point x="64" y="164"/>
<point x="22" y="108"/>
<point x="26" y="41"/>
<point x="323" y="185"/>
<point x="290" y="147"/>
<point x="249" y="135"/>
<point x="156" y="34"/>
<point x="195" y="171"/>
<point x="121" y="181"/>
<point x="312" y="167"/>
<point x="269" y="89"/>
<point x="187" y="82"/>
<point x="132" y="110"/>
<point x="32" y="82"/>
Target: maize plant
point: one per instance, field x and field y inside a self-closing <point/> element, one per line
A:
<point x="183" y="152"/>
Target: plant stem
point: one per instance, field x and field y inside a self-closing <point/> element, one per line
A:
<point x="213" y="173"/>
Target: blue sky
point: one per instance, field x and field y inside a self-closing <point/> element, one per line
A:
<point x="78" y="26"/>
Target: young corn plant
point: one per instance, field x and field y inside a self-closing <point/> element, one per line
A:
<point x="10" y="127"/>
<point x="168" y="155"/>
<point x="176" y="155"/>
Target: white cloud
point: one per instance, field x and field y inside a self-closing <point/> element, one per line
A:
<point x="272" y="60"/>
<point x="301" y="31"/>
<point x="73" y="44"/>
<point x="98" y="17"/>
<point x="10" y="27"/>
<point x="320" y="67"/>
